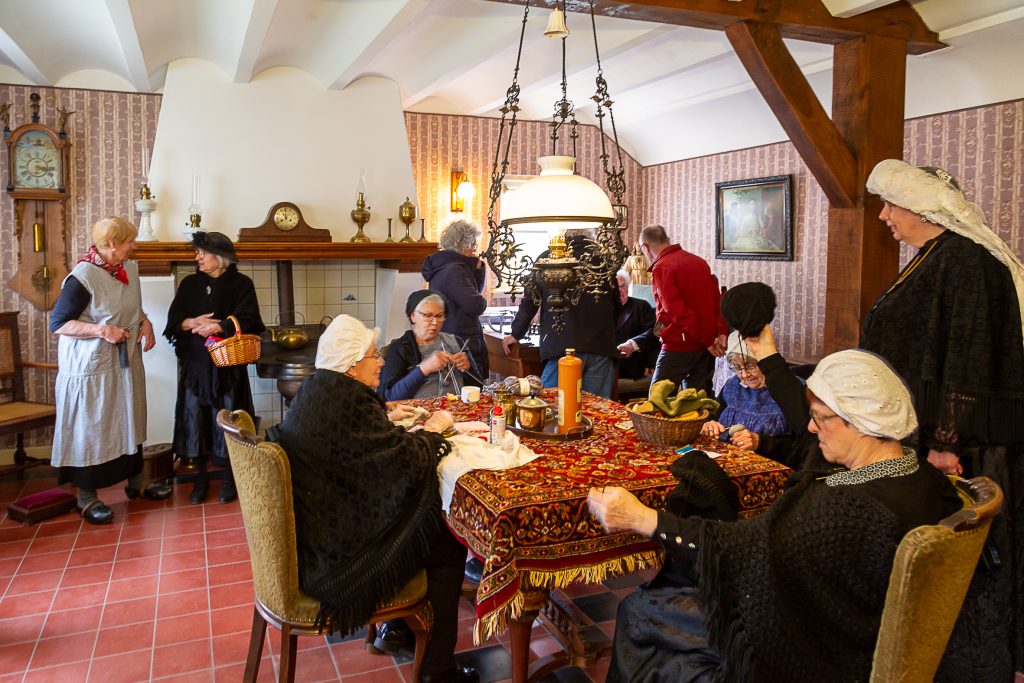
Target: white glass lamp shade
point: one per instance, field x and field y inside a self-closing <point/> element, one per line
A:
<point x="559" y="199"/>
<point x="465" y="190"/>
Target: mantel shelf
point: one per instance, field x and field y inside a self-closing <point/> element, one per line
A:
<point x="156" y="258"/>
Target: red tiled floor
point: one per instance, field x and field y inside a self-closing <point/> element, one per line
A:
<point x="165" y="593"/>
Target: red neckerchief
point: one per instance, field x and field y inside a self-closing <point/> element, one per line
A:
<point x="92" y="256"/>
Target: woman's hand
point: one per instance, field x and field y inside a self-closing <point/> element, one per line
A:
<point x="763" y="345"/>
<point x="113" y="333"/>
<point x="619" y="510"/>
<point x="712" y="429"/>
<point x="439" y="422"/>
<point x="947" y="461"/>
<point x="461" y="360"/>
<point x="146" y="336"/>
<point x="507" y="342"/>
<point x="434" y="362"/>
<point x="746" y="439"/>
<point x="400" y="412"/>
<point x="203" y="325"/>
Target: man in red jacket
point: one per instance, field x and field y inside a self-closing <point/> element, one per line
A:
<point x="688" y="311"/>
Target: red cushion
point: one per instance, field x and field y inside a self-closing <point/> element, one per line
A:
<point x="43" y="498"/>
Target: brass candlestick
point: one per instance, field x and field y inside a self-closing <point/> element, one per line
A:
<point x="389" y="239"/>
<point x="407" y="214"/>
<point x="423" y="237"/>
<point x="361" y="216"/>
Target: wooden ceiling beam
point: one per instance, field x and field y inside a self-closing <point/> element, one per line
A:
<point x="784" y="87"/>
<point x="797" y="19"/>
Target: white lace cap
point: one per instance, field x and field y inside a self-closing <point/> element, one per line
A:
<point x="735" y="344"/>
<point x="344" y="343"/>
<point x="861" y="388"/>
<point x="917" y="190"/>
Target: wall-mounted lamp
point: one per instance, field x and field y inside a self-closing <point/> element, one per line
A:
<point x="461" y="189"/>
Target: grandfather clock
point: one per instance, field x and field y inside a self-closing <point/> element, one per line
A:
<point x="37" y="180"/>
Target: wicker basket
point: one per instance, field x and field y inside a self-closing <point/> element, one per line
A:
<point x="237" y="350"/>
<point x="662" y="431"/>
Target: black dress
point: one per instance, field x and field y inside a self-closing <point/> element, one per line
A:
<point x="203" y="388"/>
<point x="950" y="325"/>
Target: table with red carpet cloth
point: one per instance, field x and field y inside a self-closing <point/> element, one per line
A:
<point x="531" y="526"/>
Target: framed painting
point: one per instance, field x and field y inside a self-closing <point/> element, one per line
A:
<point x="754" y="219"/>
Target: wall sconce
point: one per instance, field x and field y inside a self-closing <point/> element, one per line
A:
<point x="461" y="190"/>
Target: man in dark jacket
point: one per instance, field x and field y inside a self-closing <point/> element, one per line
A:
<point x="458" y="274"/>
<point x="688" y="308"/>
<point x="638" y="346"/>
<point x="589" y="329"/>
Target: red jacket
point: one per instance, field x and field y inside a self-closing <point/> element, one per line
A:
<point x="688" y="303"/>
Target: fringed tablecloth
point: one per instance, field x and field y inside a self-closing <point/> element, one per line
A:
<point x="531" y="525"/>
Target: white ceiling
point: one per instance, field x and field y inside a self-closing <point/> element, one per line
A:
<point x="678" y="92"/>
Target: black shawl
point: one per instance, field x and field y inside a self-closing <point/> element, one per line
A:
<point x="366" y="497"/>
<point x="230" y="294"/>
<point x="952" y="330"/>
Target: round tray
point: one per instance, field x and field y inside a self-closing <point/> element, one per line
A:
<point x="551" y="432"/>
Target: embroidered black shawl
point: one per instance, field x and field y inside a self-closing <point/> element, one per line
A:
<point x="366" y="497"/>
<point x="952" y="330"/>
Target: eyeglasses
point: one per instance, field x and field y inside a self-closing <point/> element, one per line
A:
<point x="200" y="253"/>
<point x="429" y="317"/>
<point x="748" y="368"/>
<point x="818" y="420"/>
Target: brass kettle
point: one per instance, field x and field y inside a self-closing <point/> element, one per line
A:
<point x="290" y="337"/>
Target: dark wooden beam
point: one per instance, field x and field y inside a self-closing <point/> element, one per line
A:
<point x="798" y="19"/>
<point x="783" y="86"/>
<point x="869" y="77"/>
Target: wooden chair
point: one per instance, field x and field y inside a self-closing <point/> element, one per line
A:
<point x="930" y="576"/>
<point x="17" y="415"/>
<point x="263" y="478"/>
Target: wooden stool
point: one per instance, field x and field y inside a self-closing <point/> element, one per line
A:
<point x="157" y="462"/>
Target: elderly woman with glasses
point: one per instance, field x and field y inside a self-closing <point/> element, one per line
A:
<point x="198" y="313"/>
<point x="951" y="323"/>
<point x="796" y="593"/>
<point x="367" y="503"/>
<point x="748" y="407"/>
<point x="424" y="362"/>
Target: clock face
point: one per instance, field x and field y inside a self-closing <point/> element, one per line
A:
<point x="286" y="218"/>
<point x="36" y="161"/>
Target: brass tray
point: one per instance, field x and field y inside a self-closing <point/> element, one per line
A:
<point x="551" y="432"/>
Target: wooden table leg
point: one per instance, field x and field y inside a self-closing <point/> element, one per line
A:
<point x="520" y="630"/>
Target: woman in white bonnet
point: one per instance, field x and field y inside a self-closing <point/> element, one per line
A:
<point x="367" y="503"/>
<point x="950" y="324"/>
<point x="796" y="593"/>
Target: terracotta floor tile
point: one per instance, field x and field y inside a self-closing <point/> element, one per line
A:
<point x="128" y="612"/>
<point x="21" y="629"/>
<point x="231" y="595"/>
<point x="142" y="532"/>
<point x="25" y="604"/>
<point x="176" y="562"/>
<point x="231" y="620"/>
<point x="351" y="658"/>
<point x="230" y="649"/>
<point x="81" y="576"/>
<point x="49" y="544"/>
<point x="64" y="673"/>
<point x="233" y="673"/>
<point x="183" y="527"/>
<point x="69" y="524"/>
<point x="229" y="554"/>
<point x="127" y="569"/>
<point x="9" y="565"/>
<point x="177" y="544"/>
<point x="187" y="627"/>
<point x="218" y="539"/>
<point x="114" y="640"/>
<point x="12" y="534"/>
<point x="222" y="522"/>
<point x="316" y="665"/>
<point x="128" y="667"/>
<point x="222" y="509"/>
<point x="71" y="621"/>
<point x="14" y="549"/>
<point x="15" y="658"/>
<point x="137" y="550"/>
<point x="80" y="596"/>
<point x="190" y="579"/>
<point x="181" y="658"/>
<point x="86" y="556"/>
<point x="34" y="583"/>
<point x="389" y="675"/>
<point x="54" y="651"/>
<point x="41" y="562"/>
<point x="94" y="539"/>
<point x="192" y="677"/>
<point x="129" y="589"/>
<point x="186" y="602"/>
<point x="230" y="573"/>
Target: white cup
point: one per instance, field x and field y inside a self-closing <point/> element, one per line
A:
<point x="470" y="394"/>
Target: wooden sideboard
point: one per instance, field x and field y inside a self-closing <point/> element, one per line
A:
<point x="524" y="359"/>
